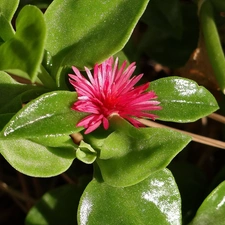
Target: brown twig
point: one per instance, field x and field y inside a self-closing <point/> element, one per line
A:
<point x="15" y="194"/>
<point x="195" y="137"/>
<point x="67" y="178"/>
<point x="217" y="117"/>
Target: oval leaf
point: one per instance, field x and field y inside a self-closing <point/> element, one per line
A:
<point x="36" y="160"/>
<point x="8" y="8"/>
<point x="155" y="200"/>
<point x="25" y="50"/>
<point x="136" y="155"/>
<point x="82" y="33"/>
<point x="212" y="210"/>
<point x="50" y="114"/>
<point x="6" y="31"/>
<point x="182" y="100"/>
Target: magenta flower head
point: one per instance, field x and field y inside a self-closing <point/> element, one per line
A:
<point x="111" y="91"/>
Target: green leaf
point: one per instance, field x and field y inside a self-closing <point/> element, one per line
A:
<point x="25" y="50"/>
<point x="155" y="200"/>
<point x="212" y="210"/>
<point x="6" y="31"/>
<point x="14" y="94"/>
<point x="172" y="33"/>
<point x="82" y="33"/>
<point x="129" y="156"/>
<point x="49" y="115"/>
<point x="8" y="8"/>
<point x="182" y="100"/>
<point x="36" y="160"/>
<point x="56" y="207"/>
<point x="54" y="140"/>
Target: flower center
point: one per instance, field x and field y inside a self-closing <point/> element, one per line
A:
<point x="109" y="105"/>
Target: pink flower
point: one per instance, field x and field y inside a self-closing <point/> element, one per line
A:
<point x="111" y="91"/>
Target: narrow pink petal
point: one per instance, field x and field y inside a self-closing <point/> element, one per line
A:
<point x="85" y="121"/>
<point x="88" y="72"/>
<point x="93" y="127"/>
<point x="76" y="71"/>
<point x="105" y="123"/>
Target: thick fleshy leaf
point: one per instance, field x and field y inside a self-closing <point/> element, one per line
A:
<point x="56" y="207"/>
<point x="25" y="50"/>
<point x="49" y="115"/>
<point x="8" y="8"/>
<point x="212" y="210"/>
<point x="82" y="33"/>
<point x="54" y="140"/>
<point x="6" y="31"/>
<point x="14" y="94"/>
<point x="36" y="160"/>
<point x="155" y="200"/>
<point x="126" y="157"/>
<point x="182" y="100"/>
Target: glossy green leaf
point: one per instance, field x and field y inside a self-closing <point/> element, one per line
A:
<point x="182" y="100"/>
<point x="172" y="33"/>
<point x="82" y="33"/>
<point x="56" y="207"/>
<point x="49" y="115"/>
<point x="155" y="200"/>
<point x="128" y="157"/>
<point x="212" y="210"/>
<point x="25" y="50"/>
<point x="14" y="94"/>
<point x="36" y="160"/>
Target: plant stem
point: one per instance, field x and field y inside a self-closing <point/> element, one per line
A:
<point x="212" y="42"/>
